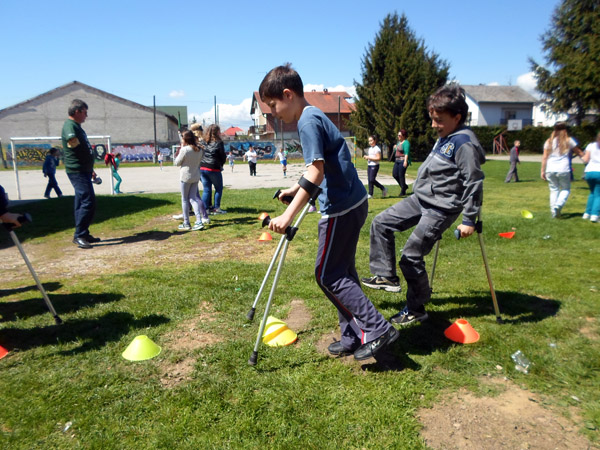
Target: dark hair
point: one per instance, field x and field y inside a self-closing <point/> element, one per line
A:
<point x="189" y="138"/>
<point x="374" y="138"/>
<point x="77" y="105"/>
<point x="404" y="133"/>
<point x="451" y="99"/>
<point x="212" y="133"/>
<point x="53" y="150"/>
<point x="278" y="79"/>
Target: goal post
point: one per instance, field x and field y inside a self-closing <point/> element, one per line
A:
<point x="47" y="139"/>
<point x="351" y="143"/>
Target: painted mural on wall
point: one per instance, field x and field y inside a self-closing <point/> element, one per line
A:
<point x="265" y="150"/>
<point x="35" y="154"/>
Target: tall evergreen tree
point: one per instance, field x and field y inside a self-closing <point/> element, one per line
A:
<point x="572" y="47"/>
<point x="398" y="75"/>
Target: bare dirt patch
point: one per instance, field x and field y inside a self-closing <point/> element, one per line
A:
<point x="590" y="330"/>
<point x="515" y="419"/>
<point x="299" y="316"/>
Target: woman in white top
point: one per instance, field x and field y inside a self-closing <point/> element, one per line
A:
<point x="188" y="158"/>
<point x="592" y="175"/>
<point x="374" y="156"/>
<point x="556" y="166"/>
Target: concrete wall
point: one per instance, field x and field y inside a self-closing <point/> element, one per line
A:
<point x="124" y="121"/>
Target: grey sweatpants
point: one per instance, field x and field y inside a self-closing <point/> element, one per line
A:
<point x="335" y="271"/>
<point x="430" y="225"/>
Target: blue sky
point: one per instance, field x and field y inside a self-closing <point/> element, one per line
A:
<point x="189" y="53"/>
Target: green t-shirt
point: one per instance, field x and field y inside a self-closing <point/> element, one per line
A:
<point x="80" y="158"/>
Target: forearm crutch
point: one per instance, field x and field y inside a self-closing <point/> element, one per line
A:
<point x="290" y="232"/>
<point x="9" y="227"/>
<point x="479" y="229"/>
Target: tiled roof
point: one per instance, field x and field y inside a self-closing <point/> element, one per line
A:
<point x="324" y="100"/>
<point x="499" y="94"/>
<point x="231" y="131"/>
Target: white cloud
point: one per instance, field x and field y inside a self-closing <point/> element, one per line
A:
<point x="229" y="115"/>
<point x="493" y="83"/>
<point x="528" y="82"/>
<point x="175" y="93"/>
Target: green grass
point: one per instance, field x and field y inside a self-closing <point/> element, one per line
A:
<point x="295" y="397"/>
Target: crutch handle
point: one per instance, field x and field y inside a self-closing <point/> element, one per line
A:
<point x="457" y="234"/>
<point x="287" y="198"/>
<point x="290" y="231"/>
<point x="22" y="219"/>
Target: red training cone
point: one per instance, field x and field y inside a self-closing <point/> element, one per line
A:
<point x="462" y="332"/>
<point x="262" y="216"/>
<point x="3" y="352"/>
<point x="508" y="235"/>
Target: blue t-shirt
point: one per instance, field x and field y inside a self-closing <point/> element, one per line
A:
<point x="321" y="140"/>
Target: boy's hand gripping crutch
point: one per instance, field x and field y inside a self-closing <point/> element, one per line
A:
<point x="9" y="227"/>
<point x="290" y="232"/>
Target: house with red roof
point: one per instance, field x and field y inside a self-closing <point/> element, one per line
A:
<point x="335" y="105"/>
<point x="231" y="132"/>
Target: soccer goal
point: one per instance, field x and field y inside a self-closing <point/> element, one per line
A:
<point x="351" y="143"/>
<point x="36" y="152"/>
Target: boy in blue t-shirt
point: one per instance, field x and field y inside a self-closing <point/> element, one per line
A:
<point x="343" y="201"/>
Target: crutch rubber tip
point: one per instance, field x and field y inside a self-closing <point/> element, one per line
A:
<point x="250" y="315"/>
<point x="253" y="358"/>
<point x="499" y="320"/>
<point x="58" y="320"/>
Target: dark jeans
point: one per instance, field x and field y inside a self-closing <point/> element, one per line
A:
<point x="210" y="179"/>
<point x="399" y="174"/>
<point x="371" y="176"/>
<point x="85" y="202"/>
<point x="52" y="184"/>
<point x="252" y="168"/>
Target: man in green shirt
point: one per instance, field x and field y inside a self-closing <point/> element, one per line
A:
<point x="79" y="165"/>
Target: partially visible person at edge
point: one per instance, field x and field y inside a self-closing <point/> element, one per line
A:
<point x="78" y="156"/>
<point x="211" y="169"/>
<point x="514" y="160"/>
<point x="402" y="156"/>
<point x="115" y="173"/>
<point x="373" y="157"/>
<point x="343" y="201"/>
<point x="591" y="158"/>
<point x="559" y="149"/>
<point x="5" y="216"/>
<point x="49" y="170"/>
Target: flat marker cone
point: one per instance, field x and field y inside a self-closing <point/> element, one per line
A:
<point x="277" y="333"/>
<point x="140" y="349"/>
<point x="507" y="235"/>
<point x="262" y="216"/>
<point x="462" y="332"/>
<point x="265" y="237"/>
<point x="3" y="352"/>
<point x="526" y="214"/>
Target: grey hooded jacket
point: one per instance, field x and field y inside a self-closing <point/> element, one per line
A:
<point x="451" y="178"/>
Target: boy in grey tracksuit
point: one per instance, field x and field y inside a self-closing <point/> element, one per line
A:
<point x="449" y="182"/>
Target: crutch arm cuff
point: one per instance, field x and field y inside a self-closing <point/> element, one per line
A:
<point x="310" y="187"/>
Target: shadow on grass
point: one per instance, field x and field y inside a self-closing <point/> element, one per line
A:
<point x="515" y="308"/>
<point x="57" y="215"/>
<point x="33" y="287"/>
<point x="90" y="334"/>
<point x="138" y="237"/>
<point x="63" y="303"/>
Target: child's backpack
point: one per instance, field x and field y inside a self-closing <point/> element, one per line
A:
<point x="109" y="158"/>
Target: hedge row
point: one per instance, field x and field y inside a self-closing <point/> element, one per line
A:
<point x="532" y="138"/>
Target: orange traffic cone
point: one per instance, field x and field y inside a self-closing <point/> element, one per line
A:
<point x="462" y="332"/>
<point x="264" y="237"/>
<point x="507" y="235"/>
<point x="3" y="352"/>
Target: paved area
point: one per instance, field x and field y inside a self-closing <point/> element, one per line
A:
<point x="145" y="180"/>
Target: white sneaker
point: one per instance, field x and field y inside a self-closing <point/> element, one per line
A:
<point x="178" y="216"/>
<point x="369" y="196"/>
<point x="585" y="216"/>
<point x="219" y="211"/>
<point x="198" y="226"/>
<point x="206" y="221"/>
<point x="184" y="226"/>
<point x="384" y="193"/>
<point x="594" y="219"/>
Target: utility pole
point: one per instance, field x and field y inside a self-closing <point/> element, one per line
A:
<point x="155" y="144"/>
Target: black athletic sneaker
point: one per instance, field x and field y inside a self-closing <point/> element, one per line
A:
<point x="337" y="349"/>
<point x="370" y="349"/>
<point x="390" y="284"/>
<point x="405" y="316"/>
